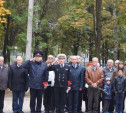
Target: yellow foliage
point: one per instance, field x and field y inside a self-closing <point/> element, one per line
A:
<point x="3" y="12"/>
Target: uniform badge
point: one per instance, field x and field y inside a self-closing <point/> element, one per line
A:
<point x="66" y="69"/>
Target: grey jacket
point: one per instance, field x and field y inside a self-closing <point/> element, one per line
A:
<point x="3" y="77"/>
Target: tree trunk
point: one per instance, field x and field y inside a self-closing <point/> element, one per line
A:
<point x="98" y="27"/>
<point x="115" y="32"/>
<point x="6" y="39"/>
<point x="90" y="49"/>
<point x="75" y="50"/>
<point x="8" y="57"/>
<point x="106" y="51"/>
<point x="29" y="30"/>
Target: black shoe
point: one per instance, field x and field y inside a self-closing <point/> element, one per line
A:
<point x="20" y="112"/>
<point x="15" y="111"/>
<point x="80" y="112"/>
<point x="46" y="111"/>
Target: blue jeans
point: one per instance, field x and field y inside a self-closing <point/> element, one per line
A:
<point x="73" y="98"/>
<point x="119" y="102"/>
<point x="18" y="98"/>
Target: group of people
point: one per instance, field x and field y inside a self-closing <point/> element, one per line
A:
<point x="64" y="86"/>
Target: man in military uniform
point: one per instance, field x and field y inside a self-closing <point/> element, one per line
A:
<point x="61" y="82"/>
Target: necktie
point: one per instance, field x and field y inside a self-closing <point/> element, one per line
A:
<point x="61" y="65"/>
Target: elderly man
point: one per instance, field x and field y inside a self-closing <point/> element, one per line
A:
<point x="18" y="83"/>
<point x="108" y="72"/>
<point x="94" y="78"/>
<point x="77" y="79"/>
<point x="62" y="73"/>
<point x="81" y="92"/>
<point x="3" y="82"/>
<point x="38" y="77"/>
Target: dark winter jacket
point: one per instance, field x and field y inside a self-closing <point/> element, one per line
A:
<point x="108" y="73"/>
<point x="119" y="84"/>
<point x="37" y="74"/>
<point x="76" y="77"/>
<point x="18" y="78"/>
<point x="3" y="77"/>
<point x="107" y="94"/>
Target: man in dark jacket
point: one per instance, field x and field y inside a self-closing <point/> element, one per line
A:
<point x="62" y="72"/>
<point x="108" y="72"/>
<point x="82" y="93"/>
<point x="3" y="82"/>
<point x="18" y="83"/>
<point x="38" y="77"/>
<point x="77" y="78"/>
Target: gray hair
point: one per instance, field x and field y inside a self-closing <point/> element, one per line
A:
<point x="94" y="58"/>
<point x="110" y="60"/>
<point x="19" y="58"/>
<point x="1" y="58"/>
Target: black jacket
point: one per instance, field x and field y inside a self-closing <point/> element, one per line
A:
<point x="119" y="84"/>
<point x="18" y="78"/>
<point x="61" y="75"/>
<point x="37" y="74"/>
<point x="3" y="78"/>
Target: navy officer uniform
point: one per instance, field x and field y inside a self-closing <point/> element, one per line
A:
<point x="62" y="72"/>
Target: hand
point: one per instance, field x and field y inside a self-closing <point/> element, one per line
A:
<point x="45" y="86"/>
<point x="48" y="64"/>
<point x="94" y="85"/>
<point x="32" y="60"/>
<point x="80" y="89"/>
<point x="69" y="88"/>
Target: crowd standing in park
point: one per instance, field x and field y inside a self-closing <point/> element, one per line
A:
<point x="63" y="86"/>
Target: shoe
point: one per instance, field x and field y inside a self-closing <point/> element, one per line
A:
<point x="80" y="112"/>
<point x="46" y="111"/>
<point x="51" y="112"/>
<point x="20" y="112"/>
<point x="15" y="111"/>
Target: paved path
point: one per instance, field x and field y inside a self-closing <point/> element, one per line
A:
<point x="26" y="109"/>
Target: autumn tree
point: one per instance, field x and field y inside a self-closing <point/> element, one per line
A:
<point x="3" y="12"/>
